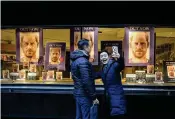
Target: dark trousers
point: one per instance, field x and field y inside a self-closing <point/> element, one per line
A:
<point x="106" y="106"/>
<point x="107" y="110"/>
<point x="83" y="105"/>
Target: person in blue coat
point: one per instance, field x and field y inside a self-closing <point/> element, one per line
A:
<point x="84" y="85"/>
<point x="114" y="93"/>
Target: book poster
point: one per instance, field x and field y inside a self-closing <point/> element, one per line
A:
<point x="55" y="56"/>
<point x="169" y="71"/>
<point x="139" y="46"/>
<point x="107" y="45"/>
<point x="158" y="77"/>
<point x="89" y="33"/>
<point x="29" y="45"/>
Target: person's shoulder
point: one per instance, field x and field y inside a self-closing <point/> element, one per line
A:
<point x="83" y="61"/>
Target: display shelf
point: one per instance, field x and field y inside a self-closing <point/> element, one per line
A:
<point x="70" y="82"/>
<point x="66" y="87"/>
<point x="63" y="81"/>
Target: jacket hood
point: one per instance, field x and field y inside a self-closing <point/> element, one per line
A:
<point x="77" y="54"/>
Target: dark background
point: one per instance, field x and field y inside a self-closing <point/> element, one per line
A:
<point x="63" y="106"/>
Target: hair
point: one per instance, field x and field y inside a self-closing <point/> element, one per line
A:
<point x="146" y="36"/>
<point x="82" y="43"/>
<point x="105" y="51"/>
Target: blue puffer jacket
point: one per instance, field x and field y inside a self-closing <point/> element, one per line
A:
<point x="81" y="70"/>
<point x="113" y="85"/>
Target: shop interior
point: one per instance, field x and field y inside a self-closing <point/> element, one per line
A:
<point x="164" y="50"/>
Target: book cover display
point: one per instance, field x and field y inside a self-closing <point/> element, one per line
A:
<point x="169" y="71"/>
<point x="140" y="76"/>
<point x="55" y="56"/>
<point x="139" y="46"/>
<point x="89" y="33"/>
<point x="29" y="45"/>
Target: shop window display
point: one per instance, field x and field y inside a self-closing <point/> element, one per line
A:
<point x="37" y="61"/>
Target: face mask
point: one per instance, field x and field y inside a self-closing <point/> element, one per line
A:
<point x="104" y="58"/>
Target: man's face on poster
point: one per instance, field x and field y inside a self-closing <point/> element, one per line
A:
<point x="29" y="44"/>
<point x="171" y="73"/>
<point x="170" y="68"/>
<point x="55" y="54"/>
<point x="139" y="44"/>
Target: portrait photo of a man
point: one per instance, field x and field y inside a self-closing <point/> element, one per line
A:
<point x="139" y="47"/>
<point x="29" y="47"/>
<point x="50" y="74"/>
<point x="5" y="74"/>
<point x="32" y="68"/>
<point x="54" y="55"/>
<point x="171" y="71"/>
<point x="150" y="69"/>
